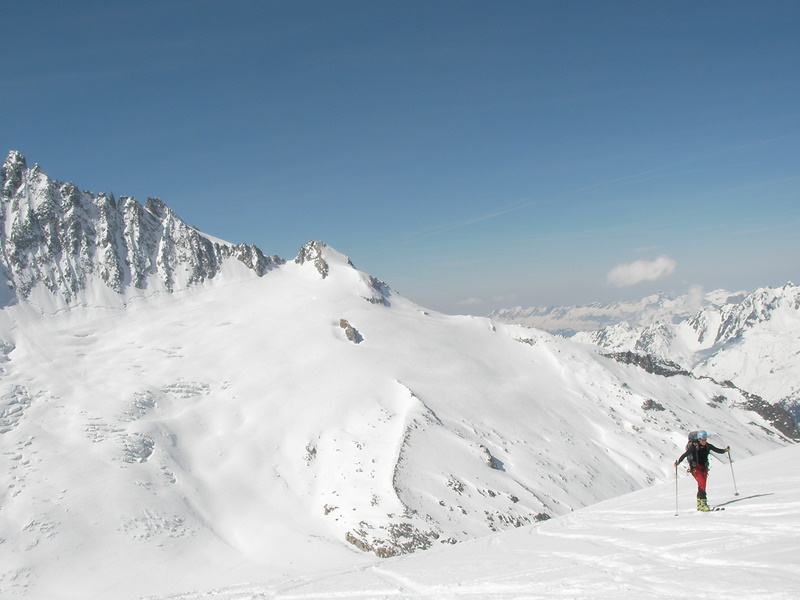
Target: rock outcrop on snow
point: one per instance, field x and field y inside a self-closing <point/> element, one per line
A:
<point x="350" y="332"/>
<point x="311" y="252"/>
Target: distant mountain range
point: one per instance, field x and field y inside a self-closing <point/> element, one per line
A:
<point x="568" y="320"/>
<point x="178" y="412"/>
<point x="749" y="339"/>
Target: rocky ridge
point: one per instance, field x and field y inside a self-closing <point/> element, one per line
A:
<point x="56" y="236"/>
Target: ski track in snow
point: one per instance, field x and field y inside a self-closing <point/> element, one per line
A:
<point x="634" y="546"/>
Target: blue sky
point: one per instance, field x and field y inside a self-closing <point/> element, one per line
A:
<point x="473" y="155"/>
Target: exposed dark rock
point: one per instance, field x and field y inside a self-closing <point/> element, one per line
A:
<point x="350" y="331"/>
<point x="11" y="173"/>
<point x="651" y="364"/>
<point x="401" y="538"/>
<point x="382" y="292"/>
<point x="775" y="414"/>
<point x="312" y="252"/>
<point x="651" y="404"/>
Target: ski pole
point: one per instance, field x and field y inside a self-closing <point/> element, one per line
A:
<point x="730" y="461"/>
<point x="676" y="489"/>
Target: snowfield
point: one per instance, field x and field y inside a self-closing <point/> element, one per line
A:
<point x="237" y="432"/>
<point x="634" y="546"/>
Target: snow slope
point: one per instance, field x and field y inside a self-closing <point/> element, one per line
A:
<point x="233" y="431"/>
<point x="634" y="546"/>
<point x="180" y="413"/>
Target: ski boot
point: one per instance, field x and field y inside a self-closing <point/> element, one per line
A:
<point x="702" y="505"/>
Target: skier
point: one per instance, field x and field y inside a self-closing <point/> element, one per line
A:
<point x="697" y="453"/>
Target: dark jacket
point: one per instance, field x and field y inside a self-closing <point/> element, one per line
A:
<point x="697" y="453"/>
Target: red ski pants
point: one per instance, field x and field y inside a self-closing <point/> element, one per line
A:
<point x="701" y="476"/>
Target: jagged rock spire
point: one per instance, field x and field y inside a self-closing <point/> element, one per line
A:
<point x="312" y="252"/>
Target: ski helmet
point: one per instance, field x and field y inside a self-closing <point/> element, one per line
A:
<point x="702" y="435"/>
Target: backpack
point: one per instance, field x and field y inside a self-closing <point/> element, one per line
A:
<point x="693" y="446"/>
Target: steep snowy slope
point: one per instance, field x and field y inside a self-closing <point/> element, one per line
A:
<point x="757" y="344"/>
<point x="629" y="547"/>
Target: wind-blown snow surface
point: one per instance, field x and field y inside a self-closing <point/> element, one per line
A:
<point x="634" y="546"/>
<point x="261" y="428"/>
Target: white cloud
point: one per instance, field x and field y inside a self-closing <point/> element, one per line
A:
<point x="641" y="270"/>
<point x="695" y="297"/>
<point x="469" y="301"/>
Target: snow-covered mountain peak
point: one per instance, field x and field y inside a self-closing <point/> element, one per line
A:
<point x="155" y="206"/>
<point x="759" y="307"/>
<point x="319" y="254"/>
<point x="61" y="246"/>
